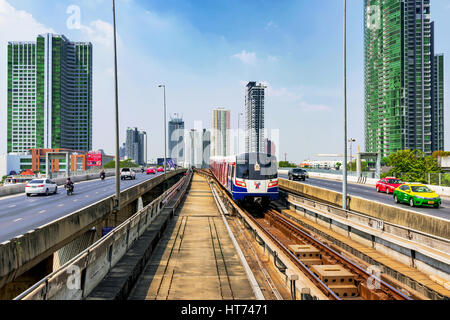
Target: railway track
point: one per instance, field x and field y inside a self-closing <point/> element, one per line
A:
<point x="314" y="251"/>
<point x="335" y="275"/>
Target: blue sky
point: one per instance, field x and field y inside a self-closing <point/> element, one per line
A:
<point x="204" y="51"/>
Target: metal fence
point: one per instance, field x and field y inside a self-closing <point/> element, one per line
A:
<point x="370" y="175"/>
<point x="437" y="179"/>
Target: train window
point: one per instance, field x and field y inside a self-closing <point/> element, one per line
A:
<point x="242" y="171"/>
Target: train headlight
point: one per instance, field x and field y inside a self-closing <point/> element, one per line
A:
<point x="273" y="184"/>
<point x="241" y="183"/>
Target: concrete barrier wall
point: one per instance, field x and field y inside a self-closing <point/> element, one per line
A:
<point x="96" y="261"/>
<point x="391" y="214"/>
<point x="22" y="253"/>
<point x="20" y="188"/>
<point x="442" y="191"/>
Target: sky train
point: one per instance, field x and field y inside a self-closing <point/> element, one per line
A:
<point x="249" y="177"/>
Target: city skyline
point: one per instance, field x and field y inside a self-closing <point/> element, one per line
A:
<point x="301" y="83"/>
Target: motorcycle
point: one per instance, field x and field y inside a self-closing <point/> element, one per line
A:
<point x="102" y="176"/>
<point x="69" y="189"/>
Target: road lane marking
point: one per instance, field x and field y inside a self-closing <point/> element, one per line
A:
<point x="12" y="206"/>
<point x="75" y="200"/>
<point x="42" y="211"/>
<point x="61" y="205"/>
<point x="17" y="220"/>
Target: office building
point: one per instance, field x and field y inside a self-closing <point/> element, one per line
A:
<point x="270" y="147"/>
<point x="254" y="117"/>
<point x="49" y="94"/>
<point x="403" y="78"/>
<point x="220" y="132"/>
<point x="176" y="139"/>
<point x="206" y="149"/>
<point x="197" y="145"/>
<point x="136" y="146"/>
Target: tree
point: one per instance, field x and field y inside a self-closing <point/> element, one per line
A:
<point x="412" y="165"/>
<point x="123" y="164"/>
<point x="437" y="154"/>
<point x="286" y="164"/>
<point x="338" y="165"/>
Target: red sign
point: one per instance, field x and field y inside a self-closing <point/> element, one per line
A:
<point x="94" y="159"/>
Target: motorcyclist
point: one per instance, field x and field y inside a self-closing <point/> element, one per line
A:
<point x="102" y="174"/>
<point x="69" y="184"/>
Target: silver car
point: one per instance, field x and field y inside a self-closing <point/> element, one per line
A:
<point x="41" y="186"/>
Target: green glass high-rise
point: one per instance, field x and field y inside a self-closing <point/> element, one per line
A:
<point x="404" y="97"/>
<point x="49" y="94"/>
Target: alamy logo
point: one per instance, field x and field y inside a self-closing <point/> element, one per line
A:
<point x="74" y="20"/>
<point x="373" y="17"/>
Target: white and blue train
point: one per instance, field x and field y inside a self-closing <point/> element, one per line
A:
<point x="251" y="177"/>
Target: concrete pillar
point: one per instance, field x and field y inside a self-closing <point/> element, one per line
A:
<point x="358" y="164"/>
<point x="140" y="205"/>
<point x="378" y="166"/>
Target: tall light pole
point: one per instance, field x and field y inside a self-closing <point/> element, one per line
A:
<point x="165" y="130"/>
<point x="344" y="178"/>
<point x="351" y="140"/>
<point x="117" y="200"/>
<point x="239" y="129"/>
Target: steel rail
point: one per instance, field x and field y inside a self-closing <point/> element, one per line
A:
<point x="388" y="289"/>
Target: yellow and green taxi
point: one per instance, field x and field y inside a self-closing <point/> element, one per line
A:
<point x="416" y="194"/>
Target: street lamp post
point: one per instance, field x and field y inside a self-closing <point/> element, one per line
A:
<point x="165" y="130"/>
<point x="344" y="178"/>
<point x="117" y="198"/>
<point x="351" y="140"/>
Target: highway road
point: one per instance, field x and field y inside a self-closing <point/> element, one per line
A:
<point x="20" y="214"/>
<point x="369" y="192"/>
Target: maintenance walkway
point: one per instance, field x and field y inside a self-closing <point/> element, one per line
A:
<point x="195" y="259"/>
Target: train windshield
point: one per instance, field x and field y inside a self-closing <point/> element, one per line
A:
<point x="256" y="167"/>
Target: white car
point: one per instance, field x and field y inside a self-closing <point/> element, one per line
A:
<point x="127" y="173"/>
<point x="41" y="186"/>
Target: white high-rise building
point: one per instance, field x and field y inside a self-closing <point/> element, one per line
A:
<point x="220" y="132"/>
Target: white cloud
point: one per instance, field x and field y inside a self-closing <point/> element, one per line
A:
<point x="270" y="25"/>
<point x="99" y="32"/>
<point x="293" y="97"/>
<point x="15" y="25"/>
<point x="246" y="57"/>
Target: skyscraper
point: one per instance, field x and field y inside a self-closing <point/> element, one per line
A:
<point x="270" y="147"/>
<point x="403" y="100"/>
<point x="136" y="146"/>
<point x="206" y="148"/>
<point x="254" y="117"/>
<point x="176" y="139"/>
<point x="49" y="94"/>
<point x="220" y="132"/>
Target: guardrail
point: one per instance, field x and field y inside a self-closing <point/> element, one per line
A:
<point x="429" y="240"/>
<point x="77" y="278"/>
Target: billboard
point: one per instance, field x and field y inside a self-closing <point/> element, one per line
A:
<point x="94" y="159"/>
<point x="170" y="162"/>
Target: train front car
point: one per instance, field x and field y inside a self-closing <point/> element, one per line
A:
<point x="255" y="178"/>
